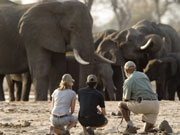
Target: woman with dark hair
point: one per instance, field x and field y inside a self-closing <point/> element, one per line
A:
<point x="90" y="98"/>
<point x="63" y="106"/>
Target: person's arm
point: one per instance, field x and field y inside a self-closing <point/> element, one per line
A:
<point x="102" y="106"/>
<point x="103" y="111"/>
<point x="52" y="104"/>
<point x="73" y="103"/>
<point x="127" y="90"/>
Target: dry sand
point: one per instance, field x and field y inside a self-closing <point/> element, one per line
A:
<point x="32" y="118"/>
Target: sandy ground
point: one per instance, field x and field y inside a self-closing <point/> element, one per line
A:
<point x="32" y="118"/>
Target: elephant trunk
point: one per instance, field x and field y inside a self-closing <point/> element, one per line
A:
<point x="154" y="43"/>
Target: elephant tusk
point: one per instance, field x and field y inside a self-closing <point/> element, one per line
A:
<point x="78" y="58"/>
<point x="103" y="59"/>
<point x="144" y="47"/>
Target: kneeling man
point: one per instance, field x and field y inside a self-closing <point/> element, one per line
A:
<point x="139" y="98"/>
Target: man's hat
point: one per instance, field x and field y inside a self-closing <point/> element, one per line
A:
<point x="91" y="78"/>
<point x="67" y="78"/>
<point x="129" y="64"/>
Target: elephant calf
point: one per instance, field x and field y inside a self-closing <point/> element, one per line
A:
<point x="166" y="72"/>
<point x="19" y="83"/>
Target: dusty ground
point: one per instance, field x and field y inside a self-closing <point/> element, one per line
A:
<point x="32" y="118"/>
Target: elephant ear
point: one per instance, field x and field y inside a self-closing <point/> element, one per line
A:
<point x="110" y="50"/>
<point x="39" y="26"/>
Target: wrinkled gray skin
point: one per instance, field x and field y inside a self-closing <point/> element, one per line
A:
<point x="142" y="42"/>
<point x="45" y="30"/>
<point x="166" y="72"/>
<point x="19" y="84"/>
<point x="12" y="52"/>
<point x="98" y="37"/>
<point x="129" y="43"/>
<point x="105" y="78"/>
<point x="103" y="71"/>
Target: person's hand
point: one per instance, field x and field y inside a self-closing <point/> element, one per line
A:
<point x="99" y="112"/>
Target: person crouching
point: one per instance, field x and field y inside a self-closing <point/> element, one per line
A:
<point x="89" y="99"/>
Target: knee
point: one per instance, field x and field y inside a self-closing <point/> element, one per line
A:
<point x="106" y="122"/>
<point x="121" y="105"/>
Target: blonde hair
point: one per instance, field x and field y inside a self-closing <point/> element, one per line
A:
<point x="64" y="85"/>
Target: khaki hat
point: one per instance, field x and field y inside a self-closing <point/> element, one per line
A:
<point x="129" y="64"/>
<point x="67" y="78"/>
<point x="91" y="78"/>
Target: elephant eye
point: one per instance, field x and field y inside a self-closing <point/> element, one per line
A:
<point x="72" y="27"/>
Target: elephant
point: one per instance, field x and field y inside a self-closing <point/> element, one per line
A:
<point x="39" y="40"/>
<point x="118" y="75"/>
<point x="46" y="29"/>
<point x="35" y="37"/>
<point x="140" y="43"/>
<point x="19" y="83"/>
<point x="13" y="56"/>
<point x="143" y="41"/>
<point x="102" y="70"/>
<point x="165" y="71"/>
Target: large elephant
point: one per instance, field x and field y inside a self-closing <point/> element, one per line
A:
<point x="46" y="30"/>
<point x="19" y="84"/>
<point x="38" y="41"/>
<point x="144" y="41"/>
<point x="166" y="72"/>
<point x="12" y="52"/>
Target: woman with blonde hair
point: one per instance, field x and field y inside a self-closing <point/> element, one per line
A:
<point x="63" y="106"/>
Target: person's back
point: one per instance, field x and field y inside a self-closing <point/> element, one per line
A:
<point x="89" y="99"/>
<point x="138" y="85"/>
<point x="61" y="104"/>
<point x="139" y="98"/>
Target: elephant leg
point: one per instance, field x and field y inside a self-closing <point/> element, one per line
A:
<point x="57" y="70"/>
<point x="105" y="74"/>
<point x="39" y="65"/>
<point x="109" y="89"/>
<point x="178" y="93"/>
<point x="10" y="84"/>
<point x="2" y="98"/>
<point x="160" y="89"/>
<point x="172" y="94"/>
<point x="102" y="89"/>
<point x="18" y="89"/>
<point x="106" y="95"/>
<point x="26" y="86"/>
<point x="118" y="82"/>
<point x="172" y="87"/>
